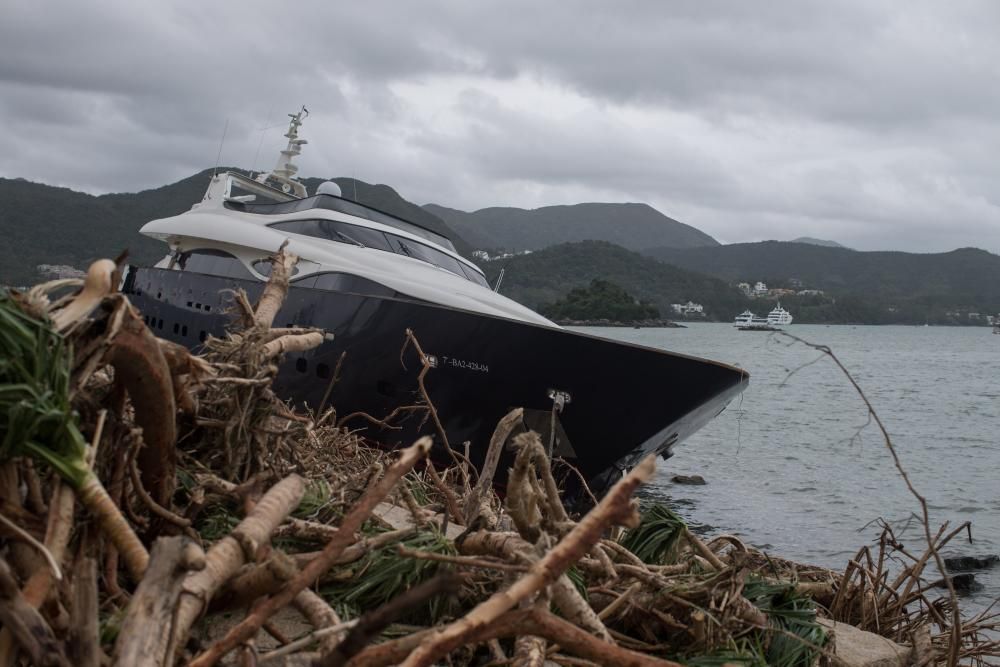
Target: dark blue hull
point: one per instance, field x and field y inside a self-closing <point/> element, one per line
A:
<point x="626" y="401"/>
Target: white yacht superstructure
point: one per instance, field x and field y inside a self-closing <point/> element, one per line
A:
<point x="779" y="316"/>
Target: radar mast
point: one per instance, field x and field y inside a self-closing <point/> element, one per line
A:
<point x="284" y="171"/>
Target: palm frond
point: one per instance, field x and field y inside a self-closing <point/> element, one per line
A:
<point x="383" y="574"/>
<point x="36" y="418"/>
<point x="317" y="497"/>
<point x="795" y="616"/>
<point x="657" y="537"/>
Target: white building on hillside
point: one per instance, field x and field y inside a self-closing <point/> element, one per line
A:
<point x="688" y="309"/>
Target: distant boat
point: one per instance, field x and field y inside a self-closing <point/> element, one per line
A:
<point x="747" y="318"/>
<point x="747" y="321"/>
<point x="779" y="316"/>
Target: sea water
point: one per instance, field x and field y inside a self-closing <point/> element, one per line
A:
<point x="794" y="466"/>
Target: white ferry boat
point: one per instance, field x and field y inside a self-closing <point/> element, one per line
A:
<point x="747" y="319"/>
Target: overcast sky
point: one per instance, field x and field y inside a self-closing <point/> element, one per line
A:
<point x="876" y="124"/>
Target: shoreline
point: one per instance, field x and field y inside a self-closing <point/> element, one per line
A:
<point x="634" y="324"/>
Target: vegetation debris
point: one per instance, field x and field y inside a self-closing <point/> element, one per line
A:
<point x="203" y="496"/>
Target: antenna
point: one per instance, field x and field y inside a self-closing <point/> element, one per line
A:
<point x="260" y="143"/>
<point x="496" y="288"/>
<point x="222" y="141"/>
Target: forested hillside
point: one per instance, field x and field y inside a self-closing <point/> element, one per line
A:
<point x="42" y="224"/>
<point x="547" y="275"/>
<point x="874" y="287"/>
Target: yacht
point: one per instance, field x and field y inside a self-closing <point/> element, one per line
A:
<point x="779" y="316"/>
<point x="365" y="277"/>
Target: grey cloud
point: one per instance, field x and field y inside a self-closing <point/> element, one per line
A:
<point x="869" y="122"/>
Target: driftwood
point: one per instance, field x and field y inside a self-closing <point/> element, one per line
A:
<point x="142" y="369"/>
<point x="97" y="285"/>
<point x="29" y="630"/>
<point x="57" y="533"/>
<point x="292" y="343"/>
<point x="504" y="428"/>
<point x="273" y="297"/>
<point x="319" y="614"/>
<point x="83" y="645"/>
<point x="515" y="624"/>
<point x="614" y="509"/>
<point x="371" y="624"/>
<point x="255" y="581"/>
<point x="345" y="536"/>
<point x="145" y="637"/>
<point x="236" y="439"/>
<point x="227" y="555"/>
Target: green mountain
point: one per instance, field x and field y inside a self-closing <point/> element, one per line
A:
<point x="601" y="300"/>
<point x="43" y="224"/>
<point x="544" y="276"/>
<point x="871" y="287"/>
<point x="632" y="226"/>
<point x="823" y="242"/>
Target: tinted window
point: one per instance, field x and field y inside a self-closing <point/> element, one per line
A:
<point x="333" y="230"/>
<point x="345" y="206"/>
<point x="264" y="266"/>
<point x="346" y="282"/>
<point x="214" y="263"/>
<point x="426" y="253"/>
<point x="475" y="276"/>
<point x="351" y="208"/>
<point x="342" y="232"/>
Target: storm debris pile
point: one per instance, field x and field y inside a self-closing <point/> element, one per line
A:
<point x="162" y="508"/>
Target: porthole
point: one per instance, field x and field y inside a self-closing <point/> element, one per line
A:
<point x="322" y="371"/>
<point x="301" y="365"/>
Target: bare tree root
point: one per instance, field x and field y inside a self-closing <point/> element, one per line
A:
<point x="26" y="625"/>
<point x="615" y="508"/>
<point x="319" y="614"/>
<point x="276" y="290"/>
<point x="516" y="624"/>
<point x="145" y="637"/>
<point x="372" y="623"/>
<point x="311" y="572"/>
<point x="141" y="367"/>
<point x="505" y="427"/>
<point x="291" y="343"/>
<point x="84" y="641"/>
<point x="228" y="554"/>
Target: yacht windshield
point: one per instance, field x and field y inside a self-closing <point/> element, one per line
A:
<point x="342" y="232"/>
<point x="334" y="203"/>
